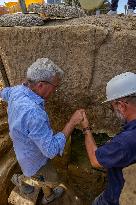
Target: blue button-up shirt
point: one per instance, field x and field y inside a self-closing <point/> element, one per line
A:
<point x="33" y="139"/>
<point x="120" y="152"/>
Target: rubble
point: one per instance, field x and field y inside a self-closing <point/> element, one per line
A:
<point x="58" y="10"/>
<point x="9" y="20"/>
<point x="117" y="22"/>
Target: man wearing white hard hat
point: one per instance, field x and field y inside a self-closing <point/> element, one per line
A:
<point x="120" y="152"/>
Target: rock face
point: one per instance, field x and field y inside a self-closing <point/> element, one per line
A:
<point x="91" y="51"/>
<point x="7" y="157"/>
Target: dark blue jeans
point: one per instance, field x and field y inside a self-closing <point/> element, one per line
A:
<point x="131" y="4"/>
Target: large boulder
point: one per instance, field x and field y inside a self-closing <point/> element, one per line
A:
<point x="90" y="50"/>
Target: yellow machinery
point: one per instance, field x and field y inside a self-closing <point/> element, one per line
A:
<point x="14" y="7"/>
<point x="91" y="4"/>
<point x="28" y="2"/>
<point x="10" y="4"/>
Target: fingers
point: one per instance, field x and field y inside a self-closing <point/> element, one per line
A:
<point x="84" y="115"/>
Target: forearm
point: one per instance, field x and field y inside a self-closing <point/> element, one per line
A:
<point x="91" y="147"/>
<point x="68" y="129"/>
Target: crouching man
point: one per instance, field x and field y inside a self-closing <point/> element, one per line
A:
<point x="34" y="142"/>
<point x="120" y="152"/>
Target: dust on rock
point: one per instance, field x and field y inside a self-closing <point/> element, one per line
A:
<point x="108" y="22"/>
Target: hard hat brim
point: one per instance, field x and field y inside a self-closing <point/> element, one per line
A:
<point x="112" y="99"/>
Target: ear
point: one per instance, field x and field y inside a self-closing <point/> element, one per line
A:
<point x="39" y="85"/>
<point x="122" y="106"/>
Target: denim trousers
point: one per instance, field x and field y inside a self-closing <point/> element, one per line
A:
<point x="131" y="4"/>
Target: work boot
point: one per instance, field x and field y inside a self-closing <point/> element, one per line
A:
<point x="112" y="13"/>
<point x="56" y="193"/>
<point x="23" y="187"/>
<point x="130" y="12"/>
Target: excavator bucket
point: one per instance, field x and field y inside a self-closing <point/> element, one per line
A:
<point x="91" y="4"/>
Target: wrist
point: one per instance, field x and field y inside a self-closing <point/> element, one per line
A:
<point x="85" y="125"/>
<point x="86" y="130"/>
<point x="72" y="123"/>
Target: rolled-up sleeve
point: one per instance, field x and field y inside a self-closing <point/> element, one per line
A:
<point x="42" y="135"/>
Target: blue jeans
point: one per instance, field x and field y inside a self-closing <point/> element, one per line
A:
<point x="100" y="200"/>
<point x="131" y="4"/>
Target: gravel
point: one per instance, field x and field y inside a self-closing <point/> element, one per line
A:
<point x="9" y="20"/>
<point x="114" y="23"/>
<point x="58" y="10"/>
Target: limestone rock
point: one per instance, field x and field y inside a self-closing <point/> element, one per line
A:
<point x="90" y="50"/>
<point x="7" y="166"/>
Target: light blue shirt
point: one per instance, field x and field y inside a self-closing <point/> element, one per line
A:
<point x="33" y="139"/>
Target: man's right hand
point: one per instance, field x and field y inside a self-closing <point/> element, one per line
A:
<point x="84" y="122"/>
<point x="77" y="117"/>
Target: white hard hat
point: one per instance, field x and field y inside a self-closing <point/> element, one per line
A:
<point x="121" y="86"/>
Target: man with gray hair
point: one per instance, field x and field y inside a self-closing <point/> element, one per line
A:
<point x="33" y="139"/>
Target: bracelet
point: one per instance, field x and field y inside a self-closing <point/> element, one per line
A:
<point x="86" y="129"/>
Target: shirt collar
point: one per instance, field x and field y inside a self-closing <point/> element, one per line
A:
<point x="130" y="125"/>
<point x="33" y="96"/>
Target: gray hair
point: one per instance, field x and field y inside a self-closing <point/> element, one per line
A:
<point x="43" y="70"/>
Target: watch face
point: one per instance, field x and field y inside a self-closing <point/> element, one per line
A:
<point x="91" y="4"/>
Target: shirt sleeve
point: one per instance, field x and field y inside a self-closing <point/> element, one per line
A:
<point x="42" y="135"/>
<point x="5" y="94"/>
<point x="112" y="154"/>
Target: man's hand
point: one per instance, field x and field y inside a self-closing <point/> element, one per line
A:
<point x="77" y="117"/>
<point x="84" y="122"/>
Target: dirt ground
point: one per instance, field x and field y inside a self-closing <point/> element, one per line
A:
<point x="117" y="23"/>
